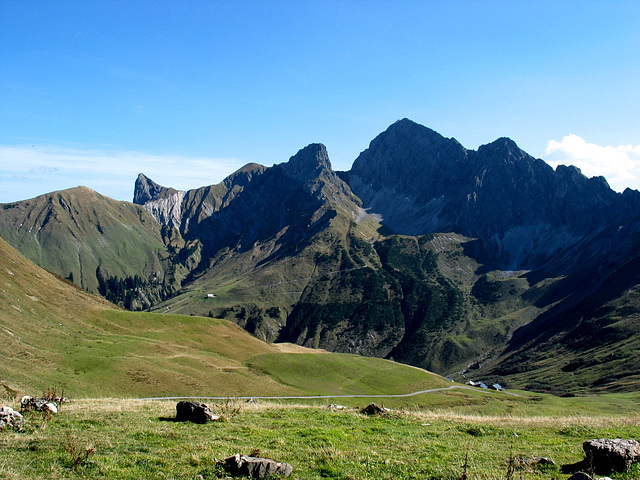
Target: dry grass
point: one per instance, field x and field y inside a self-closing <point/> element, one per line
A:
<point x="287" y="347"/>
<point x="530" y="421"/>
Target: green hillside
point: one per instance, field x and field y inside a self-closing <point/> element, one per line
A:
<point x="89" y="239"/>
<point x="55" y="334"/>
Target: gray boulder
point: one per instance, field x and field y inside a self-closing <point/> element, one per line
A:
<point x="611" y="455"/>
<point x="243" y="465"/>
<point x="194" y="412"/>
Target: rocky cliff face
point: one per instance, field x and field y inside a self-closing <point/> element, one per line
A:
<point x="165" y="204"/>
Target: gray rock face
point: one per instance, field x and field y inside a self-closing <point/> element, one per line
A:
<point x="167" y="210"/>
<point x="165" y="204"/>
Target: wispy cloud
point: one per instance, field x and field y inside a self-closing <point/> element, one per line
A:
<point x="619" y="165"/>
<point x="28" y="171"/>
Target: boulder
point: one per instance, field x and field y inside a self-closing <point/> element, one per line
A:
<point x="243" y="465"/>
<point x="194" y="412"/>
<point x="9" y="418"/>
<point x="373" y="409"/>
<point x="611" y="455"/>
<point x="604" y="456"/>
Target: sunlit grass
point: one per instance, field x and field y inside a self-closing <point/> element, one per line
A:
<point x="133" y="439"/>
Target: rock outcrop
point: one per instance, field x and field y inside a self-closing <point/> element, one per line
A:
<point x="243" y="465"/>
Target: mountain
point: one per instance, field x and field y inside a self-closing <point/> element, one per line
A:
<point x="463" y="262"/>
<point x="524" y="212"/>
<point x="94" y="241"/>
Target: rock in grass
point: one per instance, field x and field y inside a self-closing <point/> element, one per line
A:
<point x="9" y="418"/>
<point x="194" y="412"/>
<point x="604" y="456"/>
<point x="243" y="465"/>
<point x="611" y="455"/>
<point x="39" y="404"/>
<point x="373" y="409"/>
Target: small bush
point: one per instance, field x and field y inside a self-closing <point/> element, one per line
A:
<point x="79" y="454"/>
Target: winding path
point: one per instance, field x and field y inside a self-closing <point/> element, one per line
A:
<point x="313" y="397"/>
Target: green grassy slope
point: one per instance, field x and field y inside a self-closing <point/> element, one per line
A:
<point x="55" y="334"/>
<point x="74" y="232"/>
<point x="131" y="440"/>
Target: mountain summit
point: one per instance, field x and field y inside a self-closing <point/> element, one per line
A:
<point x="525" y="212"/>
<point x="308" y="163"/>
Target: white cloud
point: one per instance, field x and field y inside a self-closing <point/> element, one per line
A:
<point x="619" y="165"/>
<point x="29" y="171"/>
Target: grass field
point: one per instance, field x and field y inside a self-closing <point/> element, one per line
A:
<point x="129" y="439"/>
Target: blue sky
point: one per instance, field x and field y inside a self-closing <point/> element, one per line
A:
<point x="92" y="93"/>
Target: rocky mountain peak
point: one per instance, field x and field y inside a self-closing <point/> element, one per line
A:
<point x="308" y="163"/>
<point x="414" y="136"/>
<point x="407" y="158"/>
<point x="146" y="190"/>
<point x="406" y="128"/>
<point x="504" y="151"/>
<point x="164" y="203"/>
